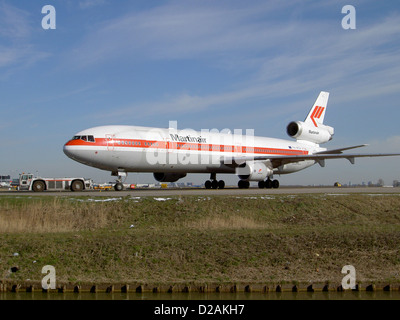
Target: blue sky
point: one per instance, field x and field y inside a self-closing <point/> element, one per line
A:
<point x="206" y="64"/>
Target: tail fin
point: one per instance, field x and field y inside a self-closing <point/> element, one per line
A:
<point x="317" y="112"/>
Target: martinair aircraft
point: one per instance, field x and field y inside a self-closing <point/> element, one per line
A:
<point x="170" y="154"/>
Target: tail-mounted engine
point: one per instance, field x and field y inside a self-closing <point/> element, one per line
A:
<point x="308" y="132"/>
<point x="253" y="171"/>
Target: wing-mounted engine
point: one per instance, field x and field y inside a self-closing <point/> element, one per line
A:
<point x="300" y="130"/>
<point x="168" y="177"/>
<point x="253" y="171"/>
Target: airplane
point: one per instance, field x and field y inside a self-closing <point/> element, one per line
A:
<point x="170" y="154"/>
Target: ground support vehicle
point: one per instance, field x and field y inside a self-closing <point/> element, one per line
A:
<point x="29" y="182"/>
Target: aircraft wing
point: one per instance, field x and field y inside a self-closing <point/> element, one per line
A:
<point x="336" y="151"/>
<point x="277" y="161"/>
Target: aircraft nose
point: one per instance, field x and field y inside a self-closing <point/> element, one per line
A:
<point x="77" y="150"/>
<point x="73" y="149"/>
<point x="68" y="150"/>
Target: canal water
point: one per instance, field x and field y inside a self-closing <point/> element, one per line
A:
<point x="347" y="295"/>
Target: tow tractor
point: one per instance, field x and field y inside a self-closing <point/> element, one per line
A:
<point x="38" y="184"/>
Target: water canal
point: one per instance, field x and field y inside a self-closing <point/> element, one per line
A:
<point x="318" y="295"/>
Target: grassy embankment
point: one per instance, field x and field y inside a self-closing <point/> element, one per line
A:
<point x="202" y="240"/>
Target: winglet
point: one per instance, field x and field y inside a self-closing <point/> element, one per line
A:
<point x="317" y="112"/>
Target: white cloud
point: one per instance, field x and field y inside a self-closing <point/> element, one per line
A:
<point x="181" y="30"/>
<point x="287" y="57"/>
<point x="16" y="50"/>
<point x="14" y="22"/>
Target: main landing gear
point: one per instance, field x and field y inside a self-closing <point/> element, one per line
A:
<point x="244" y="184"/>
<point x="213" y="183"/>
<point x="268" y="184"/>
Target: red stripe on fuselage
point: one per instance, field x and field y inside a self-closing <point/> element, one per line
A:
<point x="137" y="143"/>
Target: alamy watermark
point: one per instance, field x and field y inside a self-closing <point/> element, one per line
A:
<point x="206" y="147"/>
<point x="49" y="20"/>
<point x="49" y="280"/>
<point x="349" y="20"/>
<point x="349" y="280"/>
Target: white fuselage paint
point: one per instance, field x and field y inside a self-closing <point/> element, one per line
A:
<point x="145" y="149"/>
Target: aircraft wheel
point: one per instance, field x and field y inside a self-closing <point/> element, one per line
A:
<point x="268" y="183"/>
<point x="275" y="184"/>
<point x="207" y="184"/>
<point x="214" y="184"/>
<point x="243" y="184"/>
<point x="261" y="184"/>
<point x="119" y="186"/>
<point x="221" y="184"/>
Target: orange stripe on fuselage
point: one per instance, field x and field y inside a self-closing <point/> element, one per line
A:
<point x="136" y="143"/>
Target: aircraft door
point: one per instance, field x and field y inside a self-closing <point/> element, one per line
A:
<point x="110" y="142"/>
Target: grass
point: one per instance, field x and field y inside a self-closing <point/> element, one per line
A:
<point x="244" y="240"/>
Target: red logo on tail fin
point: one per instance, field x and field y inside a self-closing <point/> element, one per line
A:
<point x="316" y="114"/>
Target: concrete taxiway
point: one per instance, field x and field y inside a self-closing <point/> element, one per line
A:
<point x="212" y="192"/>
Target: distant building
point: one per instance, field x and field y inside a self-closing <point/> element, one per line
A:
<point x="5" y="178"/>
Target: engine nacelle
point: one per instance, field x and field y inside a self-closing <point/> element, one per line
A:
<point x="304" y="131"/>
<point x="253" y="171"/>
<point x="168" y="177"/>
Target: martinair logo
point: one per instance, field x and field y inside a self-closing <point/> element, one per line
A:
<point x="187" y="138"/>
<point x="317" y="114"/>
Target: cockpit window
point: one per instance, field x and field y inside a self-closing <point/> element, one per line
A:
<point x="89" y="138"/>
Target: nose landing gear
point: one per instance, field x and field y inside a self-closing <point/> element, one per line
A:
<point x="119" y="185"/>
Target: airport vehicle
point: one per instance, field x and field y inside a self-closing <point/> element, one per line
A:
<point x="5" y="181"/>
<point x="170" y="154"/>
<point x="4" y="184"/>
<point x="37" y="184"/>
<point x="14" y="183"/>
<point x="104" y="187"/>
